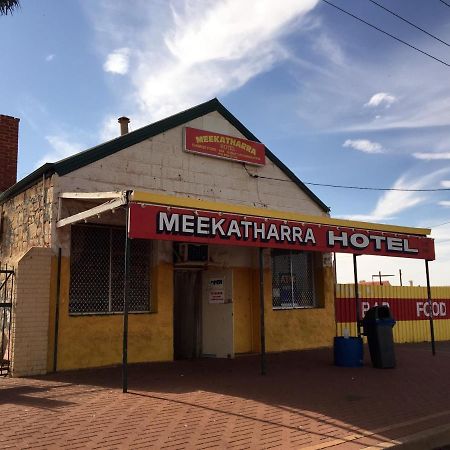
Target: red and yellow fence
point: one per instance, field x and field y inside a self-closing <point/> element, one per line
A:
<point x="409" y="307"/>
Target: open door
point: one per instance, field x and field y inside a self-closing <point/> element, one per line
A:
<point x="217" y="314"/>
<point x="187" y="314"/>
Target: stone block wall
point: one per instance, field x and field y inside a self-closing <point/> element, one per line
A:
<point x="26" y="222"/>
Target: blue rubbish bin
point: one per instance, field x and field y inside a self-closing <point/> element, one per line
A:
<point x="348" y="351"/>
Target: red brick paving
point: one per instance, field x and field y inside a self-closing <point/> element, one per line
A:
<point x="303" y="402"/>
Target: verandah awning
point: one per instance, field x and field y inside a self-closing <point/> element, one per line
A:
<point x="156" y="216"/>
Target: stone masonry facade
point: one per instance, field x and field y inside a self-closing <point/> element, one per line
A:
<point x="24" y="246"/>
<point x="26" y="222"/>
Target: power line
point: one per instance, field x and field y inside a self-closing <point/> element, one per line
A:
<point x="410" y="23"/>
<point x="439" y="225"/>
<point x="254" y="175"/>
<point x="445" y="3"/>
<point x="387" y="34"/>
<point x="375" y="188"/>
<point x="340" y="186"/>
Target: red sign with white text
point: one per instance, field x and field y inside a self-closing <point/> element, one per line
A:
<point x="401" y="308"/>
<point x="223" y="146"/>
<point x="208" y="227"/>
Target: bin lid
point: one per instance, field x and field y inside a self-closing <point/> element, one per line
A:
<point x="378" y="313"/>
<point x="386" y="322"/>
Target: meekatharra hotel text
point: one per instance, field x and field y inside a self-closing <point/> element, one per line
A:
<point x="199" y="226"/>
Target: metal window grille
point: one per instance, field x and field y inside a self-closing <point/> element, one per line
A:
<point x="6" y="302"/>
<point x="292" y="280"/>
<point x="97" y="271"/>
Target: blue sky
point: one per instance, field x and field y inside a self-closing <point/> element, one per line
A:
<point x="337" y="101"/>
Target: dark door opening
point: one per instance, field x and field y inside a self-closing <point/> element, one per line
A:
<point x="187" y="314"/>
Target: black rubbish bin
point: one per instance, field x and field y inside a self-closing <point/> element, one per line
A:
<point x="378" y="323"/>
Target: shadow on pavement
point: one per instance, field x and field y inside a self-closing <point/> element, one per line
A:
<point x="32" y="396"/>
<point x="305" y="382"/>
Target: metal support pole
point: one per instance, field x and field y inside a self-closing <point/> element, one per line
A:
<point x="126" y="300"/>
<point x="433" y="344"/>
<point x="335" y="293"/>
<point x="261" y="308"/>
<point x="58" y="295"/>
<point x="358" y="319"/>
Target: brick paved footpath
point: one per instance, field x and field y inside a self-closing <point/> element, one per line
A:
<point x="303" y="402"/>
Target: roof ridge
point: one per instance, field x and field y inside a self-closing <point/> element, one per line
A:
<point x="112" y="146"/>
<point x="142" y="130"/>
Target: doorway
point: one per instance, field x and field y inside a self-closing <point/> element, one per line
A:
<point x="217" y="314"/>
<point x="187" y="314"/>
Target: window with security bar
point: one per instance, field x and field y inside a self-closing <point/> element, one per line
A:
<point x="292" y="280"/>
<point x="97" y="261"/>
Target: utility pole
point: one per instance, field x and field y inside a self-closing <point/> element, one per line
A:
<point x="380" y="275"/>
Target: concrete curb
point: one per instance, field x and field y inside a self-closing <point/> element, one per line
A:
<point x="430" y="439"/>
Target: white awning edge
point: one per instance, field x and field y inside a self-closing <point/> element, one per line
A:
<point x="104" y="207"/>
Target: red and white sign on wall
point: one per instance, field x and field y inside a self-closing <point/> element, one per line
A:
<point x="401" y="308"/>
<point x="223" y="146"/>
<point x="208" y="227"/>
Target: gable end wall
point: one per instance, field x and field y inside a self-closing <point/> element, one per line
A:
<point x="160" y="165"/>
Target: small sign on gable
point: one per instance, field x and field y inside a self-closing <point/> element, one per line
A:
<point x="225" y="147"/>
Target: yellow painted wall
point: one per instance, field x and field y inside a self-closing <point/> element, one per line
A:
<point x="96" y="340"/>
<point x="285" y="329"/>
<point x="301" y="328"/>
<point x="404" y="330"/>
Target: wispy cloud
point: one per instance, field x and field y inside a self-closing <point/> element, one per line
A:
<point x="432" y="156"/>
<point x="330" y="49"/>
<point x="61" y="148"/>
<point x="392" y="203"/>
<point x="445" y="203"/>
<point x="428" y="109"/>
<point x="364" y="145"/>
<point x="391" y="102"/>
<point x="190" y="60"/>
<point x="381" y="98"/>
<point x="109" y="128"/>
<point x="50" y="57"/>
<point x="117" y="61"/>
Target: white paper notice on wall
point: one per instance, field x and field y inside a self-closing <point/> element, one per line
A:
<point x="327" y="260"/>
<point x="216" y="290"/>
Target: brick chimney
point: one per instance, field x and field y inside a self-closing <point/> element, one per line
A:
<point x="9" y="145"/>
